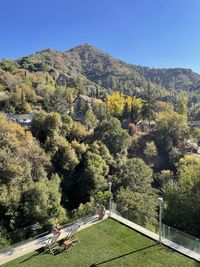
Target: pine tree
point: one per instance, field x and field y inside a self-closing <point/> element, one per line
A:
<point x="182" y="104"/>
<point x="126" y="111"/>
<point x="148" y="109"/>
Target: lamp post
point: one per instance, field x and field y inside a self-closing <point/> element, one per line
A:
<point x="160" y="199"/>
<point x="110" y="185"/>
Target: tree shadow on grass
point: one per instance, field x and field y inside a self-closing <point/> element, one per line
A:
<point x="123" y="255"/>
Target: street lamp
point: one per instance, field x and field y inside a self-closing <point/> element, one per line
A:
<point x="109" y="186"/>
<point x="160" y="200"/>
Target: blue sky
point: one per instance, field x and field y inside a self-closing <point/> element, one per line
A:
<point x="157" y="33"/>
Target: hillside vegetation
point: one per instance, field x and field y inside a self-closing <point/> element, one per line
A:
<point x="91" y="69"/>
<point x="95" y="119"/>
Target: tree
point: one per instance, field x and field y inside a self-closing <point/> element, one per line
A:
<point x="99" y="109"/>
<point x="174" y="156"/>
<point x="115" y="104"/>
<point x="188" y="160"/>
<point x="21" y="96"/>
<point x="9" y="65"/>
<point x="29" y="193"/>
<point x="87" y="179"/>
<point x="61" y="100"/>
<point x="148" y="108"/>
<point x="132" y="173"/>
<point x="136" y="108"/>
<point x="194" y="113"/>
<point x="171" y="129"/>
<point x="132" y="180"/>
<point x="102" y="198"/>
<point x="126" y="111"/>
<point x="161" y="106"/>
<point x="77" y="131"/>
<point x="62" y="154"/>
<point x="52" y="123"/>
<point x="133" y="205"/>
<point x="127" y="107"/>
<point x="182" y="105"/>
<point x="41" y="201"/>
<point x="80" y="148"/>
<point x="183" y="200"/>
<point x="90" y="119"/>
<point x="100" y="148"/>
<point x="95" y="170"/>
<point x="164" y="177"/>
<point x="37" y="126"/>
<point x="112" y="135"/>
<point x="46" y="125"/>
<point x="150" y="151"/>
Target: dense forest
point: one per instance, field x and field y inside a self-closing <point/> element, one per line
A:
<point x="96" y="119"/>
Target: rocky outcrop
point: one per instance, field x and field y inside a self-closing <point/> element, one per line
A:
<point x="65" y="80"/>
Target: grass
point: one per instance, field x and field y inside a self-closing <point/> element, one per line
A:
<point x="109" y="243"/>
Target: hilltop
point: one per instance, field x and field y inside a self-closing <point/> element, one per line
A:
<point x="91" y="68"/>
<point x="88" y="71"/>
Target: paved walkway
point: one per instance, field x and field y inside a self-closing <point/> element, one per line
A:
<point x="33" y="245"/>
<point x="155" y="237"/>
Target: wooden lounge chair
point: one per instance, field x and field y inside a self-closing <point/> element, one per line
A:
<point x="51" y="245"/>
<point x="72" y="238"/>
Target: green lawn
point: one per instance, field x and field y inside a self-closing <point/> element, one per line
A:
<point x="109" y="243"/>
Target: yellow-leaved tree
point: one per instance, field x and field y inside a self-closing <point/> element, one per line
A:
<point x="115" y="104"/>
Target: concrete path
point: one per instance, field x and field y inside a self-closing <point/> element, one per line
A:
<point x="155" y="237"/>
<point x="33" y="245"/>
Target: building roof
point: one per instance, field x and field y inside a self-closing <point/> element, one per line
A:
<point x="86" y="98"/>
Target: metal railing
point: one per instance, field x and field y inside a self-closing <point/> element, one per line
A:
<point x="181" y="238"/>
<point x="138" y="218"/>
<point x="23" y="235"/>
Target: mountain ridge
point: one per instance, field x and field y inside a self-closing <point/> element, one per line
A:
<point x="94" y="68"/>
<point x="90" y="56"/>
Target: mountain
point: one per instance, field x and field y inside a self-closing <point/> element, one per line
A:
<point x="101" y="68"/>
<point x="91" y="68"/>
<point x="171" y="78"/>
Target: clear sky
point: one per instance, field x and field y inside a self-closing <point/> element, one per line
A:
<point x="157" y="33"/>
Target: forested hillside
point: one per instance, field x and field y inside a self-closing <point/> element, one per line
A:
<point x="95" y="119"/>
<point x="93" y="70"/>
